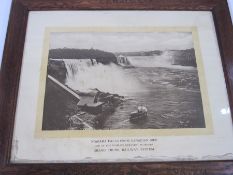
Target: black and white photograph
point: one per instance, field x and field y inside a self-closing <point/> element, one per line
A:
<point x="122" y="80"/>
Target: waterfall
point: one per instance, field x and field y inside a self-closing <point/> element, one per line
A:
<point x="123" y="60"/>
<point x="85" y="75"/>
<point x="163" y="60"/>
<point x="74" y="66"/>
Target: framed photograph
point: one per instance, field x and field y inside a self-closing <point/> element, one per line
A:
<point x="117" y="87"/>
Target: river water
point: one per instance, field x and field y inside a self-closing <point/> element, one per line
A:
<point x="171" y="93"/>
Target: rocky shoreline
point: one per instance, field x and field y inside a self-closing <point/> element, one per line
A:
<point x="109" y="102"/>
<point x="93" y="108"/>
<point x="90" y="111"/>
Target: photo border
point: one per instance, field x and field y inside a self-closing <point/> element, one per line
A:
<point x="39" y="133"/>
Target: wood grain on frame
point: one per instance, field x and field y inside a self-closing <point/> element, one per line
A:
<point x="10" y="76"/>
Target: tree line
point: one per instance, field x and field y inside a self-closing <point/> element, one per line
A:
<point x="99" y="55"/>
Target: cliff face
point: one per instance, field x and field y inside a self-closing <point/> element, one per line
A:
<point x="58" y="105"/>
<point x="57" y="69"/>
<point x="100" y="56"/>
<point x="184" y="57"/>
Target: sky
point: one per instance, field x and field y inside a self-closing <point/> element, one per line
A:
<point x="123" y="42"/>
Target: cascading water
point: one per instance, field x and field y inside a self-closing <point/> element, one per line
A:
<point x="123" y="61"/>
<point x="170" y="92"/>
<point x="85" y="75"/>
<point x="165" y="60"/>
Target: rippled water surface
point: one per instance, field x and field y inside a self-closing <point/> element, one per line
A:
<point x="170" y="92"/>
<point x="172" y="97"/>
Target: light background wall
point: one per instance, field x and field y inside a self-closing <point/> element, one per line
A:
<point x="5" y="6"/>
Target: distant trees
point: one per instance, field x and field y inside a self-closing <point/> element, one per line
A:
<point x="141" y="53"/>
<point x="100" y="56"/>
<point x="180" y="57"/>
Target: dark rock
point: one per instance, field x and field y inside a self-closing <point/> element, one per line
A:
<point x="57" y="105"/>
<point x="57" y="69"/>
<point x="185" y="57"/>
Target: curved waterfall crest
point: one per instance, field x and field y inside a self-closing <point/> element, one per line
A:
<point x="86" y="74"/>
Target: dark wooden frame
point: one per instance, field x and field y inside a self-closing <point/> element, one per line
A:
<point x="10" y="76"/>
